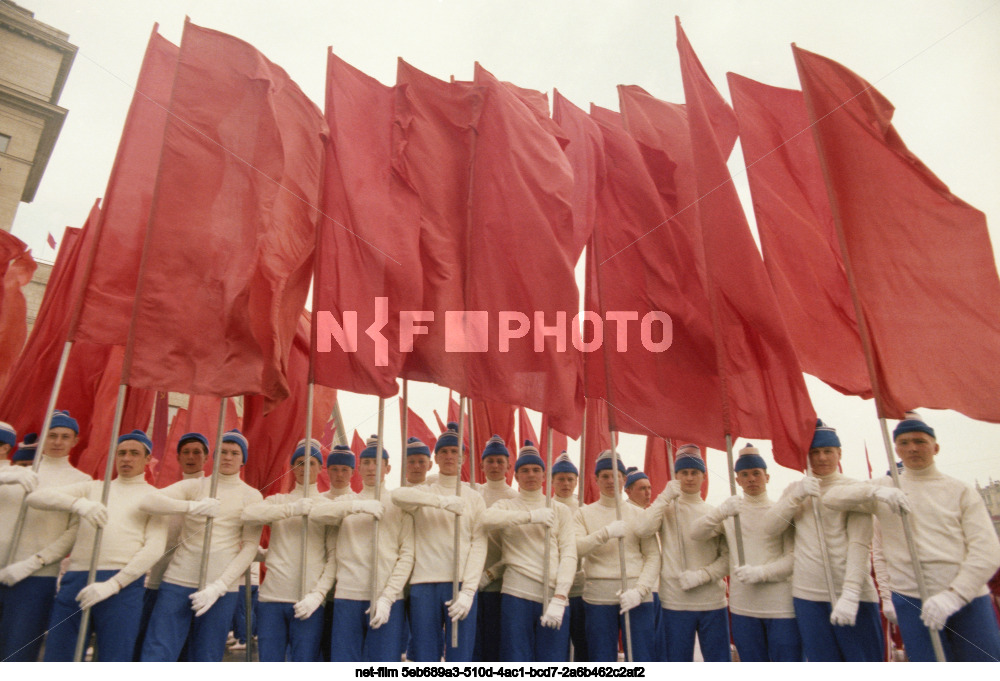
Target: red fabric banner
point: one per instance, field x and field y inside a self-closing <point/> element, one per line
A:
<point x="598" y="439"/>
<point x="357" y="446"/>
<point x="16" y="269"/>
<point x="525" y="428"/>
<point x="416" y="427"/>
<point x="559" y="440"/>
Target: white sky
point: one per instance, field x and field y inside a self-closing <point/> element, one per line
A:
<point x="938" y="62"/>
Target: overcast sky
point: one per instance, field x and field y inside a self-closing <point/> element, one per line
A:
<point x="938" y="62"/>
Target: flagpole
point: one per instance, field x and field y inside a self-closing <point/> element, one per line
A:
<point x="306" y="488"/>
<point x="682" y="552"/>
<point x="473" y="450"/>
<point x="373" y="596"/>
<point x="547" y="552"/>
<point x="621" y="542"/>
<point x="405" y="427"/>
<point x="340" y="432"/>
<point x="213" y="491"/>
<point x="740" y="557"/>
<point x="821" y="533"/>
<point x="583" y="457"/>
<point x="458" y="518"/>
<point x="248" y="608"/>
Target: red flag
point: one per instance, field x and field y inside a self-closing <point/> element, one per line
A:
<point x="598" y="439"/>
<point x="201" y="416"/>
<point x="797" y="234"/>
<point x="922" y="263"/>
<point x="525" y="428"/>
<point x="416" y="427"/>
<point x="586" y="156"/>
<point x="559" y="440"/>
<point x="492" y="418"/>
<point x="357" y="446"/>
<point x="239" y="177"/>
<point x="766" y="394"/>
<point x="161" y="418"/>
<point x="51" y="241"/>
<point x="16" y="269"/>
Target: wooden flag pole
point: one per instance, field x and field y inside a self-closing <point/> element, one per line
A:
<point x="306" y="488"/>
<point x="621" y="546"/>
<point x="212" y="492"/>
<point x="405" y="430"/>
<point x="681" y="551"/>
<point x="547" y="551"/>
<point x="740" y="556"/>
<point x="458" y="518"/>
<point x="373" y="595"/>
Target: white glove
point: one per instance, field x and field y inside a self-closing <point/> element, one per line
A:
<point x="202" y="601"/>
<point x="894" y="498"/>
<point x="670" y="492"/>
<point x="300" y="507"/>
<point x="19" y="475"/>
<point x="372" y="507"/>
<point x="889" y="611"/>
<point x="543" y="516"/>
<point x="452" y="503"/>
<point x="845" y="611"/>
<point x="383" y="608"/>
<point x="751" y="574"/>
<point x="729" y="507"/>
<point x="553" y="616"/>
<point x="938" y="608"/>
<point x="487" y="579"/>
<point x="800" y="489"/>
<point x="629" y="599"/>
<point x="93" y="594"/>
<point x="206" y="508"/>
<point x="93" y="512"/>
<point x="458" y="608"/>
<point x="616" y="529"/>
<point x="692" y="579"/>
<point x="307" y="606"/>
<point x="15" y="572"/>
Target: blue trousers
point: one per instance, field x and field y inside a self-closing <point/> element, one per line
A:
<point x="488" y="628"/>
<point x="173" y="620"/>
<point x="281" y="637"/>
<point x="116" y="620"/>
<point x="239" y="627"/>
<point x="324" y="642"/>
<point x="604" y="625"/>
<point x="522" y="636"/>
<point x="678" y="627"/>
<point x="765" y="639"/>
<point x="354" y="641"/>
<point x="970" y="635"/>
<point x="823" y="642"/>
<point x="430" y="626"/>
<point x="148" y="601"/>
<point x="578" y="629"/>
<point x="24" y="614"/>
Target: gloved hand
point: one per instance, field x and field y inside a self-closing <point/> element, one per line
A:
<point x="671" y="492"/>
<point x="93" y="512"/>
<point x="692" y="579"/>
<point x="751" y="574"/>
<point x="487" y="579"/>
<point x="894" y="498"/>
<point x="629" y="599"/>
<point x="938" y="608"/>
<point x="889" y="611"/>
<point x="19" y="475"/>
<point x="543" y="516"/>
<point x="372" y="507"/>
<point x="300" y="507"/>
<point x="729" y="507"/>
<point x="800" y="489"/>
<point x="307" y="606"/>
<point x="616" y="529"/>
<point x="458" y="608"/>
<point x="15" y="572"/>
<point x="93" y="594"/>
<point x="452" y="503"/>
<point x="206" y="508"/>
<point x="202" y="601"/>
<point x="553" y="615"/>
<point x="383" y="608"/>
<point x="845" y="611"/>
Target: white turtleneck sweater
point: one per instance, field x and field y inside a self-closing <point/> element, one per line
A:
<point x="174" y="525"/>
<point x="434" y="532"/>
<point x="580" y="578"/>
<point x="493" y="491"/>
<point x="523" y="546"/>
<point x="234" y="543"/>
<point x="772" y="598"/>
<point x="956" y="542"/>
<point x="50" y="535"/>
<point x="132" y="540"/>
<point x="284" y="553"/>
<point x="711" y="555"/>
<point x="848" y="541"/>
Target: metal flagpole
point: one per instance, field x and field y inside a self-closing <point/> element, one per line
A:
<point x="681" y="551"/>
<point x="248" y="606"/>
<point x="373" y="596"/>
<point x="212" y="492"/>
<point x="340" y="431"/>
<point x="740" y="557"/>
<point x="473" y="451"/>
<point x="458" y="518"/>
<point x="821" y="533"/>
<point x="547" y="553"/>
<point x="621" y="546"/>
<point x="306" y="488"/>
<point x="405" y="430"/>
<point x="583" y="457"/>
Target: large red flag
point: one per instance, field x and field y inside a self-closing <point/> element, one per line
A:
<point x="585" y="153"/>
<point x="598" y="439"/>
<point x="797" y="234"/>
<point x="232" y="227"/>
<point x="417" y="427"/>
<point x="763" y="383"/>
<point x="16" y="269"/>
<point x="559" y="440"/>
<point x="921" y="259"/>
<point x="526" y="429"/>
<point x="357" y="446"/>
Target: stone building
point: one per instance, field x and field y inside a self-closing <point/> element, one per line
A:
<point x="991" y="496"/>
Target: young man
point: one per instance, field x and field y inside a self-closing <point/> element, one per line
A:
<point x="565" y="478"/>
<point x="692" y="591"/>
<point x="418" y="462"/>
<point x="24" y="455"/>
<point x="605" y="601"/>
<point x="8" y="442"/>
<point x="360" y="633"/>
<point x="290" y="628"/>
<point x="29" y="582"/>
<point x="131" y="542"/>
<point x="760" y="593"/>
<point x="436" y="509"/>
<point x="340" y="464"/>
<point x="955" y="541"/>
<point x="531" y="630"/>
<point x="638" y="488"/>
<point x="847" y="629"/>
<point x="180" y="606"/>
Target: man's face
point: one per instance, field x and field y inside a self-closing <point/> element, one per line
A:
<point x="59" y="442"/>
<point x="606" y="481"/>
<point x="564" y="484"/>
<point x="640" y="492"/>
<point x="447" y="460"/>
<point x="369" y="467"/>
<point x="417" y="466"/>
<point x="192" y="456"/>
<point x="340" y="476"/>
<point x="530" y="477"/>
<point x="299" y="470"/>
<point x="495" y="467"/>
<point x="4" y="450"/>
<point x="917" y="450"/>
<point x="824" y="460"/>
<point x="231" y="458"/>
<point x="131" y="459"/>
<point x="753" y="481"/>
<point x="690" y="479"/>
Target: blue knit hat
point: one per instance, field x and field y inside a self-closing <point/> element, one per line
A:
<point x="605" y="462"/>
<point x="528" y="455"/>
<point x="689" y="457"/>
<point x="563" y="464"/>
<point x="315" y="450"/>
<point x="416" y="447"/>
<point x="236" y="436"/>
<point x="495" y="447"/>
<point x="26" y="450"/>
<point x="634" y="475"/>
<point x="62" y="419"/>
<point x="340" y="455"/>
<point x="449" y="438"/>
<point x="371" y="449"/>
<point x="139" y="437"/>
<point x="749" y="458"/>
<point x="825" y="436"/>
<point x="192" y="437"/>
<point x="913" y="423"/>
<point x="8" y="436"/>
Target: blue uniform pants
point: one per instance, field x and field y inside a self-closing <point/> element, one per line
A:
<point x="430" y="626"/>
<point x="522" y="636"/>
<point x="766" y="639"/>
<point x="824" y="642"/>
<point x="354" y="641"/>
<point x="488" y="628"/>
<point x="604" y="625"/>
<point x="116" y="620"/>
<point x="239" y="627"/>
<point x="281" y="637"/>
<point x="173" y="620"/>
<point x="678" y="628"/>
<point x="578" y="630"/>
<point x="970" y="635"/>
<point x="24" y="614"/>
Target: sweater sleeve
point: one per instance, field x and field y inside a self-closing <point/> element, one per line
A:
<point x="59" y="498"/>
<point x="404" y="560"/>
<point x="884" y="581"/>
<point x="152" y="548"/>
<point x="719" y="567"/>
<point x="856" y="496"/>
<point x="241" y="561"/>
<point x="649" y="521"/>
<point x="63" y="544"/>
<point x="587" y="541"/>
<point x="859" y="545"/>
<point x="649" y="577"/>
<point x="476" y="560"/>
<point x="412" y="498"/>
<point x="170" y="500"/>
<point x="781" y="516"/>
<point x="325" y="581"/>
<point x="982" y="549"/>
<point x="271" y="510"/>
<point x="566" y="570"/>
<point x="707" y="526"/>
<point x="780" y="569"/>
<point x="496" y="517"/>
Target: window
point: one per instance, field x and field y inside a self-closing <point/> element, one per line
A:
<point x="4" y="141"/>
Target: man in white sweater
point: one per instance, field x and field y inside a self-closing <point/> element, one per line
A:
<point x="180" y="606"/>
<point x="531" y="630"/>
<point x="598" y="531"/>
<point x="290" y="628"/>
<point x="8" y="442"/>
<point x="847" y="629"/>
<point x="638" y="488"/>
<point x="436" y="509"/>
<point x="340" y="465"/>
<point x="565" y="479"/>
<point x="29" y="582"/>
<point x="760" y="592"/>
<point x="692" y="590"/>
<point x="955" y="541"/>
<point x="131" y="542"/>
